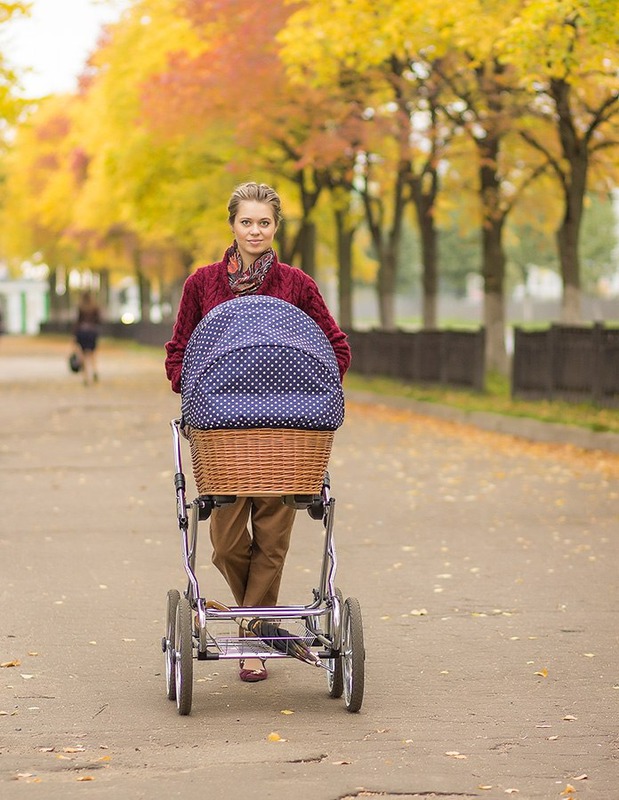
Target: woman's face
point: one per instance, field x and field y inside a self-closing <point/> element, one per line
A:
<point x="254" y="229"/>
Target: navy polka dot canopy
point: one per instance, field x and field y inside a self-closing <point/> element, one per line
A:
<point x="260" y="362"/>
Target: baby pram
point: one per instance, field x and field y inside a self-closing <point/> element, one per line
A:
<point x="261" y="399"/>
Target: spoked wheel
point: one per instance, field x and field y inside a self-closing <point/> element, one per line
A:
<point x="353" y="655"/>
<point x="183" y="665"/>
<point x="335" y="679"/>
<point x="169" y="643"/>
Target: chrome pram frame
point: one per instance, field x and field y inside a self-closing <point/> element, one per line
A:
<point x="328" y="631"/>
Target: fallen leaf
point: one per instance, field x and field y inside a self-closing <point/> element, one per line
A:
<point x="582" y="777"/>
<point x="85" y="778"/>
<point x="589" y="655"/>
<point x="275" y="737"/>
<point x="484" y="786"/>
<point x="340" y="763"/>
<point x="552" y="738"/>
<point x="27" y="677"/>
<point x="542" y="673"/>
<point x="14" y="663"/>
<point x="570" y="717"/>
<point x="46" y="749"/>
<point x="512" y="791"/>
<point x="78" y="749"/>
<point x="286" y="711"/>
<point x="455" y="754"/>
<point x="569" y="789"/>
<point x="24" y="775"/>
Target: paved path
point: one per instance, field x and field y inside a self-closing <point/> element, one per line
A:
<point x="486" y="568"/>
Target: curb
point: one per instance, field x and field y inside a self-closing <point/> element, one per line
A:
<point x="522" y="427"/>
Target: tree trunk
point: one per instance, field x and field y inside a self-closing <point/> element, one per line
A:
<point x="59" y="304"/>
<point x="575" y="154"/>
<point x="424" y="204"/>
<point x="493" y="253"/>
<point x="345" y="234"/>
<point x="307" y="247"/>
<point x="567" y="245"/>
<point x="387" y="272"/>
<point x="144" y="289"/>
<point x="104" y="288"/>
<point x="310" y="185"/>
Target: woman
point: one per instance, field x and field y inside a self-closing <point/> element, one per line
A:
<point x="251" y="564"/>
<point x="87" y="334"/>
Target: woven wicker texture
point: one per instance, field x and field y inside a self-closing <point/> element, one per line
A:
<point x="259" y="461"/>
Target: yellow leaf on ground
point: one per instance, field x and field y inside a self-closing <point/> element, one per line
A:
<point x="14" y="663"/>
<point x="569" y="789"/>
<point x="275" y="737"/>
<point x="542" y="673"/>
<point x="85" y="778"/>
<point x="286" y="711"/>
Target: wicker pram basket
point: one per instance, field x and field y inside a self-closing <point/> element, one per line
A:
<point x="259" y="461"/>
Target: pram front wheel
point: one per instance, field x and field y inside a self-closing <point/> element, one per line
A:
<point x="183" y="655"/>
<point x="335" y="678"/>
<point x="353" y="655"/>
<point x="169" y="643"/>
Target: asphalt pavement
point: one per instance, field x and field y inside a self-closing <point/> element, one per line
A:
<point x="485" y="564"/>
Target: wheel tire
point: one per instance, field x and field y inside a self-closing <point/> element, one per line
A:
<point x="169" y="639"/>
<point x="184" y="657"/>
<point x="335" y="677"/>
<point x="353" y="655"/>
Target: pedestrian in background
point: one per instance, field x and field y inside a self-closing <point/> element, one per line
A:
<point x="87" y="328"/>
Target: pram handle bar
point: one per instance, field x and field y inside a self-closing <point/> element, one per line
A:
<point x="179" y="477"/>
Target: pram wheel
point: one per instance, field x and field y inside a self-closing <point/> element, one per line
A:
<point x="183" y="665"/>
<point x="169" y="642"/>
<point x="353" y="655"/>
<point x="335" y="679"/>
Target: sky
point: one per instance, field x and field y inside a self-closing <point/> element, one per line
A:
<point x="55" y="42"/>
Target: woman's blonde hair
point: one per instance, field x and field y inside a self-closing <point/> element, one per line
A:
<point x="261" y="193"/>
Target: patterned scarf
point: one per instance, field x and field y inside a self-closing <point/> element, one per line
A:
<point x="247" y="281"/>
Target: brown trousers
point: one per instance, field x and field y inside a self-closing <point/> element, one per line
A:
<point x="252" y="564"/>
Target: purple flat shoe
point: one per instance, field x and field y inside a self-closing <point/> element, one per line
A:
<point x="253" y="675"/>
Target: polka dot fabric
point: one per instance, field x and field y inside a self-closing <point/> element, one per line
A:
<point x="260" y="362"/>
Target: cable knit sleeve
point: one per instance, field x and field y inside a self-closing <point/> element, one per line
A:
<point x="312" y="302"/>
<point x="188" y="316"/>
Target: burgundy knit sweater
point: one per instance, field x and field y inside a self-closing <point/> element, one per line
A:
<point x="208" y="287"/>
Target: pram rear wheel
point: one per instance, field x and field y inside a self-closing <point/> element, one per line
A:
<point x="335" y="678"/>
<point x="169" y="642"/>
<point x="353" y="655"/>
<point x="183" y="664"/>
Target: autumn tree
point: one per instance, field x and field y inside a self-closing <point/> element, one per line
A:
<point x="44" y="175"/>
<point x="10" y="102"/>
<point x="393" y="169"/>
<point x="244" y="89"/>
<point x="566" y="54"/>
